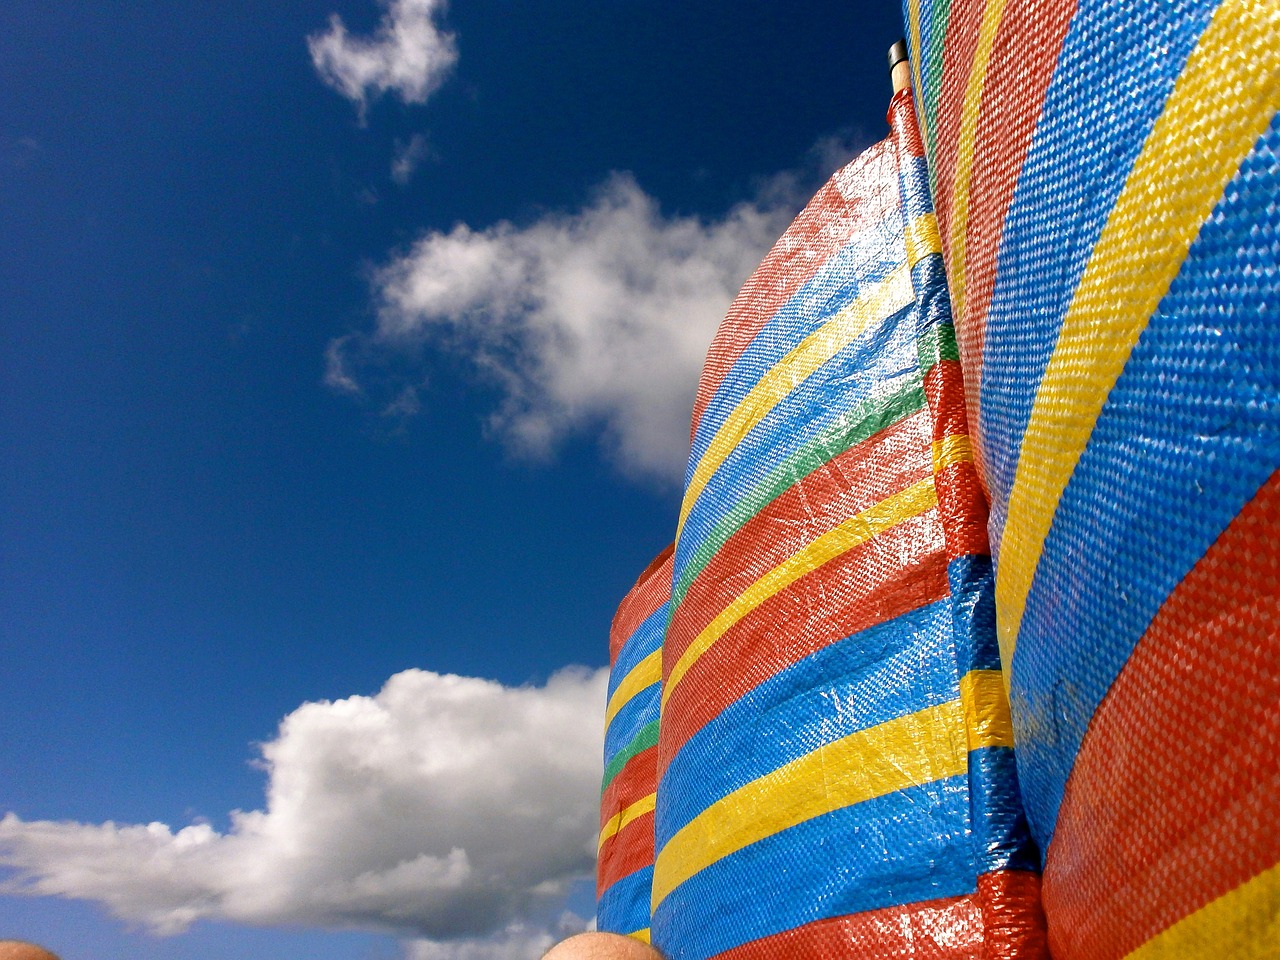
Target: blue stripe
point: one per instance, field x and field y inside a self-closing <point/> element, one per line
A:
<point x="1116" y="69"/>
<point x="624" y="907"/>
<point x="923" y="24"/>
<point x="1188" y="434"/>
<point x="878" y="363"/>
<point x="640" y="711"/>
<point x="933" y="299"/>
<point x="868" y="258"/>
<point x="913" y="185"/>
<point x="972" y="587"/>
<point x="887" y="671"/>
<point x="901" y="848"/>
<point x="1001" y="837"/>
<point x="646" y="639"/>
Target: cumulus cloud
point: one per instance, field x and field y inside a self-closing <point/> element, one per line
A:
<point x="594" y="319"/>
<point x="409" y="54"/>
<point x="447" y="808"/>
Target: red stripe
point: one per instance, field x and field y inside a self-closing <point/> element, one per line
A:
<point x="635" y="780"/>
<point x="821" y="229"/>
<point x="962" y="508"/>
<point x="1175" y="795"/>
<point x="1023" y="59"/>
<point x="628" y="850"/>
<point x="1012" y="920"/>
<point x="943" y="388"/>
<point x="861" y="477"/>
<point x="902" y="569"/>
<point x="902" y="120"/>
<point x="651" y="590"/>
<point x="999" y="922"/>
<point x="962" y="504"/>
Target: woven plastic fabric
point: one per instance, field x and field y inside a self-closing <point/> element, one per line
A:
<point x="835" y="766"/>
<point x="624" y="871"/>
<point x="1106" y="177"/>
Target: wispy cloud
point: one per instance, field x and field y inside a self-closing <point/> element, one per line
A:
<point x="596" y="319"/>
<point x="409" y="54"/>
<point x="336" y="376"/>
<point x="447" y="808"/>
<point x="19" y="152"/>
<point x="408" y="157"/>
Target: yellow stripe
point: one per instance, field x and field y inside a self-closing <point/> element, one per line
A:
<point x="877" y="302"/>
<point x="911" y="502"/>
<point x="928" y="745"/>
<point x="951" y="450"/>
<point x="986" y="709"/>
<point x="991" y="17"/>
<point x="1176" y="182"/>
<point x="623" y="817"/>
<point x="642" y="676"/>
<point x="922" y="238"/>
<point x="913" y="23"/>
<point x="918" y="748"/>
<point x="641" y="935"/>
<point x="1243" y="924"/>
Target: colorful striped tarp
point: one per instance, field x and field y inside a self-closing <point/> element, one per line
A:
<point x="1106" y="177"/>
<point x="834" y="756"/>
<point x="624" y="870"/>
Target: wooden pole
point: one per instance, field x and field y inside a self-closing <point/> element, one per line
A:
<point x="899" y="67"/>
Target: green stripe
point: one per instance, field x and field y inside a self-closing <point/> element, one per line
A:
<point x="937" y="344"/>
<point x="931" y="77"/>
<point x="642" y="741"/>
<point x="862" y="422"/>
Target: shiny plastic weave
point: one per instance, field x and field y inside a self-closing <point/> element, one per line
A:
<point x="834" y="758"/>
<point x="624" y="870"/>
<point x="1106" y="177"/>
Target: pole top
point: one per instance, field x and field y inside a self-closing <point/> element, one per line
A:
<point x="897" y="53"/>
<point x="899" y="68"/>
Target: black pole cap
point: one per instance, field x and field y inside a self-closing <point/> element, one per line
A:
<point x="897" y="53"/>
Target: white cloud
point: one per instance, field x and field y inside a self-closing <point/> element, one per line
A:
<point x="595" y="319"/>
<point x="519" y="941"/>
<point x="516" y="943"/>
<point x="444" y="807"/>
<point x="408" y="53"/>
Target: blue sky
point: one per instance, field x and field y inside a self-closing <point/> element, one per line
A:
<point x="338" y="356"/>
